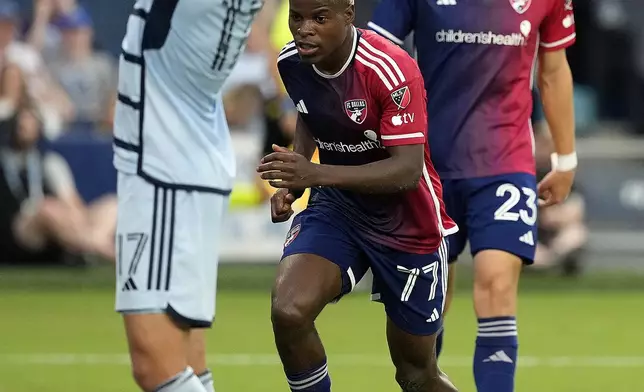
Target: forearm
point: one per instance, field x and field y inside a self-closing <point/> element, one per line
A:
<point x="303" y="142"/>
<point x="381" y="177"/>
<point x="556" y="89"/>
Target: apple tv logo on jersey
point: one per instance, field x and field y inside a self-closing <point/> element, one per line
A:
<point x="399" y="120"/>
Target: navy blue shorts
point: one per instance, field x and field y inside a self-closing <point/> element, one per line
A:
<point x="411" y="286"/>
<point x="498" y="212"/>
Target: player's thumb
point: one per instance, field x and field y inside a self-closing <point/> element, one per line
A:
<point x="277" y="148"/>
<point x="289" y="198"/>
<point x="544" y="184"/>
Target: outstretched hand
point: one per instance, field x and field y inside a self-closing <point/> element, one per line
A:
<point x="284" y="168"/>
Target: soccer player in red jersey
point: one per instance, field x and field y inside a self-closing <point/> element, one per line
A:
<point x="478" y="60"/>
<point x="375" y="197"/>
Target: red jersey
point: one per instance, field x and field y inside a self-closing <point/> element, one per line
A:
<point x="478" y="60"/>
<point x="376" y="100"/>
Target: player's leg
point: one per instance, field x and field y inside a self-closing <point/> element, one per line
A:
<point x="305" y="284"/>
<point x="412" y="288"/>
<point x="501" y="221"/>
<point x="197" y="358"/>
<point x="416" y="366"/>
<point x="456" y="206"/>
<point x="310" y="276"/>
<point x="207" y="211"/>
<point x="449" y="296"/>
<point x="158" y="346"/>
<point x="160" y="254"/>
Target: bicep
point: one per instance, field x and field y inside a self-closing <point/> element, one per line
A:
<point x="552" y="61"/>
<point x="303" y="142"/>
<point x="412" y="153"/>
<point x="409" y="157"/>
<point x="302" y="128"/>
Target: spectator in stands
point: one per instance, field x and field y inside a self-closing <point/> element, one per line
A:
<point x="24" y="72"/>
<point x="42" y="217"/>
<point x="250" y="85"/>
<point x="281" y="115"/>
<point x="43" y="35"/>
<point x="243" y="105"/>
<point x="562" y="231"/>
<point x="88" y="77"/>
<point x="11" y="82"/>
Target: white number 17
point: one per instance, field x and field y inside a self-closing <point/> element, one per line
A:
<point x="413" y="275"/>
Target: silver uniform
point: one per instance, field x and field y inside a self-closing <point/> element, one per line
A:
<point x="173" y="152"/>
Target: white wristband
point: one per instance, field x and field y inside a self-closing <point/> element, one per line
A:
<point x="563" y="163"/>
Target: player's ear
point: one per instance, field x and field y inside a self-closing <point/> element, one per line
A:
<point x="350" y="14"/>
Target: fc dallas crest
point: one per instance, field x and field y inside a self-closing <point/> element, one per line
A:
<point x="356" y="109"/>
<point x="401" y="97"/>
<point x="520" y="6"/>
<point x="292" y="234"/>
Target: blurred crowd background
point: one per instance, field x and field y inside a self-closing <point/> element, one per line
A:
<point x="58" y="67"/>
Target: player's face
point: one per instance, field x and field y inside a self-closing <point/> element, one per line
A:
<point x="318" y="28"/>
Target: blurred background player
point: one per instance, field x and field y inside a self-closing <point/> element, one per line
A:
<point x="478" y="63"/>
<point x="374" y="198"/>
<point x="176" y="167"/>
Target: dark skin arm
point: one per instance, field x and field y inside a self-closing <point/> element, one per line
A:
<point x="303" y="142"/>
<point x="282" y="200"/>
<point x="398" y="173"/>
<point x="293" y="172"/>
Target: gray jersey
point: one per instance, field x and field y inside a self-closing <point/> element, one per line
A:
<point x="169" y="125"/>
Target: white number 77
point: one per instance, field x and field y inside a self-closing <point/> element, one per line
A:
<point x="413" y="275"/>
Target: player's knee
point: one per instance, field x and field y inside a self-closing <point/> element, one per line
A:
<point x="411" y="378"/>
<point x="291" y="312"/>
<point x="143" y="373"/>
<point x="494" y="296"/>
<point x="495" y="283"/>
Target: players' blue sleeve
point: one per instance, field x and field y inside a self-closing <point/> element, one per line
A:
<point x="393" y="19"/>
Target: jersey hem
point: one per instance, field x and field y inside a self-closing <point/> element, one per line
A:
<point x="417" y="250"/>
<point x="451" y="230"/>
<point x="461" y="175"/>
<point x="186" y="321"/>
<point x="168" y="185"/>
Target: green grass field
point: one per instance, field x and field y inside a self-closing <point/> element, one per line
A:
<point x="58" y="333"/>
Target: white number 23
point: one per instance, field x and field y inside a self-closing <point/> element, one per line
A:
<point x="529" y="216"/>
